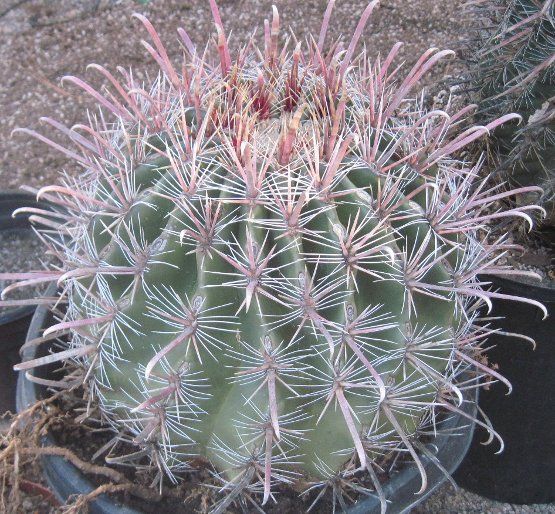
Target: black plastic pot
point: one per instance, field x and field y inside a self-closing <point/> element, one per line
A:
<point x="65" y="479"/>
<point x="14" y="323"/>
<point x="524" y="472"/>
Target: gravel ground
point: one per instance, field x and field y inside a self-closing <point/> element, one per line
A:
<point x="43" y="40"/>
<point x="448" y="501"/>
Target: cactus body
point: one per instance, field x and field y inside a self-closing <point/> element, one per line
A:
<point x="270" y="263"/>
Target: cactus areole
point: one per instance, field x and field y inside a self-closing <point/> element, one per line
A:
<point x="270" y="262"/>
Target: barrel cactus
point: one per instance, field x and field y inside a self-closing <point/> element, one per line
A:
<point x="270" y="263"/>
<point x="512" y="57"/>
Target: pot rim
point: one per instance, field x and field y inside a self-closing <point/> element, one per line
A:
<point x="66" y="479"/>
<point x="544" y="290"/>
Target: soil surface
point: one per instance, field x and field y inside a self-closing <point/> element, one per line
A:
<point x="43" y="40"/>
